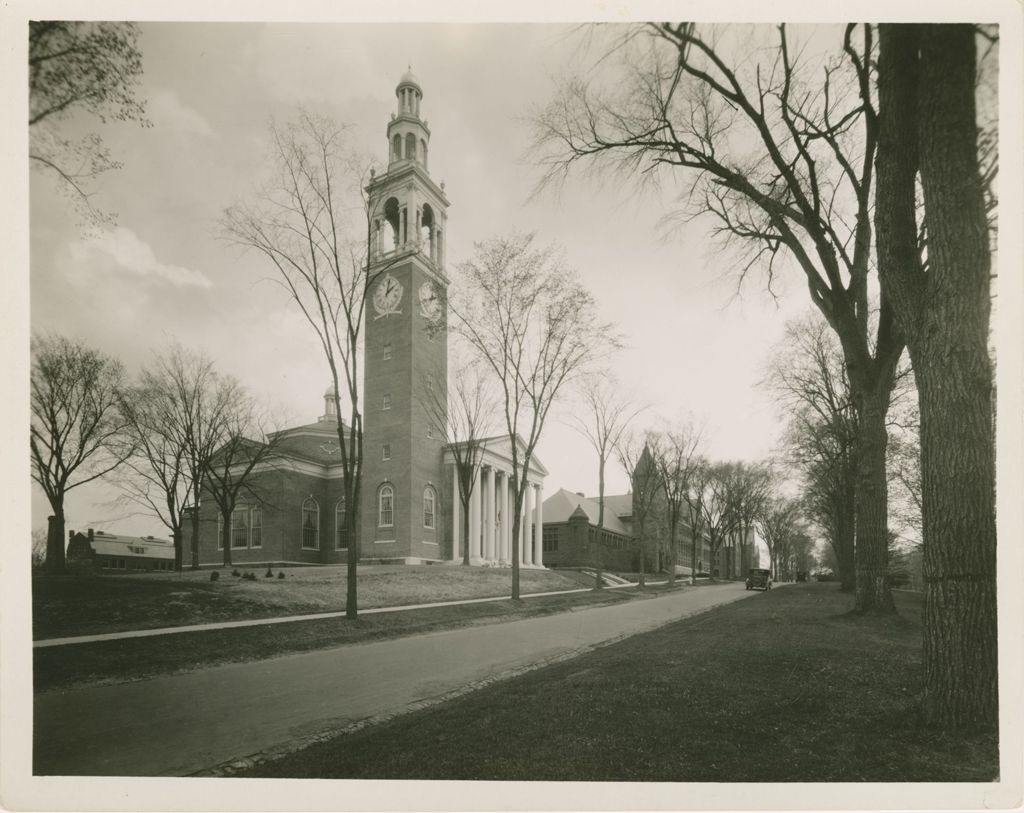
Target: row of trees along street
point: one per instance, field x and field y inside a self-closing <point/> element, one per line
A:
<point x="866" y="166"/>
<point x="179" y="430"/>
<point x="859" y="167"/>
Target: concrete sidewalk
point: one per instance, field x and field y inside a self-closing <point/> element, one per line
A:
<point x="287" y="619"/>
<point x="182" y="724"/>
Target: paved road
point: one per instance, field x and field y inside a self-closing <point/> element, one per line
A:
<point x="180" y="724"/>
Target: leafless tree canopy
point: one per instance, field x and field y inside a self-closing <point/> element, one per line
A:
<point x="176" y="417"/>
<point x="74" y="65"/>
<point x="605" y="413"/>
<point x="76" y="428"/>
<point x="528" y="319"/>
<point x="310" y="222"/>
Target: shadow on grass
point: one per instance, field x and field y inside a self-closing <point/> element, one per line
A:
<point x="782" y="687"/>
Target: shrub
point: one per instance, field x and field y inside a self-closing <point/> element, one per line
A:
<point x="235" y="572"/>
<point x="249" y="576"/>
<point x="280" y="575"/>
<point x="214" y="575"/>
<point x="269" y="574"/>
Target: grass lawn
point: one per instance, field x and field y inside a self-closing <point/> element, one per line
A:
<point x="782" y="687"/>
<point x="61" y="667"/>
<point x="82" y="605"/>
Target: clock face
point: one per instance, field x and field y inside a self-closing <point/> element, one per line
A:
<point x="387" y="296"/>
<point x="430" y="304"/>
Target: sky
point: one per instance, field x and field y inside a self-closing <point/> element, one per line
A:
<point x="695" y="350"/>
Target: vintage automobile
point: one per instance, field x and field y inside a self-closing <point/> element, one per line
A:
<point x="759" y="578"/>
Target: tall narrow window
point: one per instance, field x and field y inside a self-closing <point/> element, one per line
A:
<point x="387" y="351"/>
<point x="339" y="525"/>
<point x="429" y="504"/>
<point x="386" y="401"/>
<point x="256" y="527"/>
<point x="386" y="505"/>
<point x="385" y="451"/>
<point x="310" y="524"/>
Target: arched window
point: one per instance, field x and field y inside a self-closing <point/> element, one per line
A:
<point x="390" y="237"/>
<point x="410" y="147"/>
<point x="386" y="507"/>
<point x="339" y="525"/>
<point x="310" y="524"/>
<point x="429" y="507"/>
<point x="423" y="153"/>
<point x="427" y="230"/>
<point x="396" y="148"/>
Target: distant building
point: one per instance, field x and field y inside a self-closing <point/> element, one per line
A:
<point x="111" y="553"/>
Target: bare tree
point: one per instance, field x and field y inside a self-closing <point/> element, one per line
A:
<point x="530" y="321"/>
<point x="783" y="164"/>
<point x="779" y="523"/>
<point x="935" y="266"/>
<point x="807" y="375"/>
<point x="752" y="486"/>
<point x="635" y="455"/>
<point x="76" y="65"/>
<point x="311" y="223"/>
<point x="233" y="472"/>
<point x="462" y="414"/>
<point x="719" y="506"/>
<point x="76" y="433"/>
<point x="175" y="416"/>
<point x="694" y="496"/>
<point x="608" y="411"/>
<point x="677" y="455"/>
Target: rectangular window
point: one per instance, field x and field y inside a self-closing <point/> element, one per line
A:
<point x="256" y="527"/>
<point x="240" y="527"/>
<point x="430" y="431"/>
<point x="387" y="351"/>
<point x="386" y="401"/>
<point x="385" y="451"/>
<point x="550" y="539"/>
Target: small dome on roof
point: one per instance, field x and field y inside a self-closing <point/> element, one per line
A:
<point x="330" y="391"/>
<point x="409" y="78"/>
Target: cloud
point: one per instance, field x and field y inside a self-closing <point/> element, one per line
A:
<point x="165" y="109"/>
<point x="120" y="249"/>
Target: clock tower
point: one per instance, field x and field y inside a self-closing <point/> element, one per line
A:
<point x="406" y="349"/>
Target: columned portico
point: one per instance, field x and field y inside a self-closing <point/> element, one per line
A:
<point x="538" y="528"/>
<point x="492" y="508"/>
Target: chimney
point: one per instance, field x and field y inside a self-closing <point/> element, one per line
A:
<point x="71" y="535"/>
<point x="90" y="534"/>
<point x="581" y="494"/>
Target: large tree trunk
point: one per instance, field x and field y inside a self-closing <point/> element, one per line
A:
<point x="955" y="388"/>
<point x="465" y="531"/>
<point x="872" y="593"/>
<point x="352" y="557"/>
<point x="55" y="532"/>
<point x="846" y="536"/>
<point x="178" y="538"/>
<point x="927" y="120"/>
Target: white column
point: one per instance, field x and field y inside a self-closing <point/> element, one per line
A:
<point x="503" y="536"/>
<point x="527" y="522"/>
<point x="538" y="544"/>
<point x="474" y="518"/>
<point x="488" y="514"/>
<point x="456" y="504"/>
